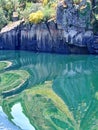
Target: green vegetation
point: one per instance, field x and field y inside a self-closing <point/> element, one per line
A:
<point x="34" y="11"/>
<point x="43" y="11"/>
<point x="3" y="19"/>
<point x="25" y="10"/>
<point x="43" y="107"/>
<point x="11" y="80"/>
<point x="52" y="111"/>
<point x="47" y="111"/>
<point x="36" y="17"/>
<point x="65" y="102"/>
<point x="4" y="64"/>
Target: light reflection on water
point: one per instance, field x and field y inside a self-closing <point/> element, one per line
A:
<point x="19" y="118"/>
<point x="5" y="124"/>
<point x="72" y="78"/>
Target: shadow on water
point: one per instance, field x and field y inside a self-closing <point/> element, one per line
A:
<point x="74" y="79"/>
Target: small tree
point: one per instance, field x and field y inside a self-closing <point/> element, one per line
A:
<point x="3" y="19"/>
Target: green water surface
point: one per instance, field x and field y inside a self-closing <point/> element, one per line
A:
<point x="48" y="91"/>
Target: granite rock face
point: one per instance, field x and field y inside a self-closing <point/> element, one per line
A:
<point x="73" y="16"/>
<point x="43" y="37"/>
<point x="75" y="21"/>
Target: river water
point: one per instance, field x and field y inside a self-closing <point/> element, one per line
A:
<point x="40" y="91"/>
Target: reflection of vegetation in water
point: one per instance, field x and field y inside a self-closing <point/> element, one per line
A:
<point x="4" y="64"/>
<point x="74" y="103"/>
<point x="79" y="93"/>
<point x="44" y="108"/>
<point x="11" y="79"/>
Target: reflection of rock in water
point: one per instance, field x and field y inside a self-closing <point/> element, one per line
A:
<point x="78" y="91"/>
<point x="73" y="103"/>
<point x="42" y="67"/>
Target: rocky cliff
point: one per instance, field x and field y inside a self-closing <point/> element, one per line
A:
<point x="78" y="22"/>
<point x="43" y="37"/>
<point x="72" y="32"/>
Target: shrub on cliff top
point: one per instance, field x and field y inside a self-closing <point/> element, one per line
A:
<point x="36" y="17"/>
<point x="48" y="12"/>
<point x="3" y="19"/>
<point x="45" y="2"/>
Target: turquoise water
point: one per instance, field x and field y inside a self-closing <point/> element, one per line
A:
<point x="48" y="91"/>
